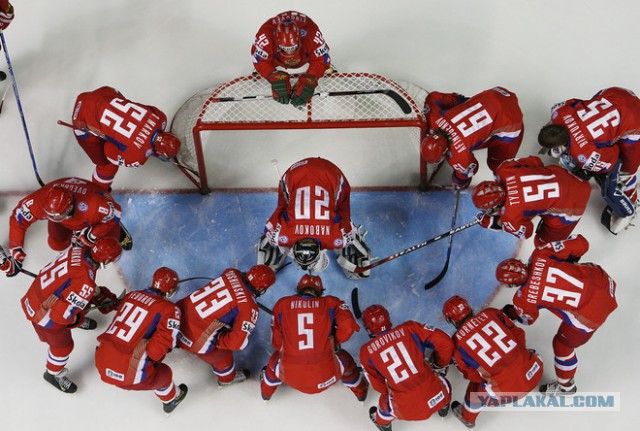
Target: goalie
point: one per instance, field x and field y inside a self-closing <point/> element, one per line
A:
<point x="313" y="216"/>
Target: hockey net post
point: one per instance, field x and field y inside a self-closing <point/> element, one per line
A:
<point x="342" y="101"/>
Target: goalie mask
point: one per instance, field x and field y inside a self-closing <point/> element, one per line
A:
<point x="306" y="253"/>
<point x="488" y="195"/>
<point x="512" y="272"/>
<point x="376" y="319"/>
<point x="456" y="310"/>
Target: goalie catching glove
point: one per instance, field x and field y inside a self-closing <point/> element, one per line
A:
<point x="269" y="254"/>
<point x="280" y="86"/>
<point x="303" y="91"/>
<point x="355" y="254"/>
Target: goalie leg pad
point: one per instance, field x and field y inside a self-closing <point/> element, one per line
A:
<point x="270" y="255"/>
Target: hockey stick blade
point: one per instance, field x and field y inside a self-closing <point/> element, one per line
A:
<point x="445" y="268"/>
<point x="355" y="304"/>
<point x="453" y="231"/>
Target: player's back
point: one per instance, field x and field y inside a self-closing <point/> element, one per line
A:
<point x="627" y="105"/>
<point x="487" y="343"/>
<point x="398" y="356"/>
<point x="137" y="318"/>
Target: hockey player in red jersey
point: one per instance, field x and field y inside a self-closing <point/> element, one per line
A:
<point x="290" y="40"/>
<point x="145" y="328"/>
<point x="6" y="14"/>
<point x="58" y="298"/>
<point x="395" y="364"/>
<point x="71" y="206"/>
<point x="525" y="188"/>
<point x="307" y="331"/>
<point x="460" y="126"/>
<point x="490" y="352"/>
<point x="314" y="215"/>
<point x="218" y="319"/>
<point x="581" y="294"/>
<point x="594" y="135"/>
<point x="115" y="131"/>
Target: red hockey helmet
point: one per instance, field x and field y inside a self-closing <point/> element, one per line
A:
<point x="456" y="309"/>
<point x="260" y="277"/>
<point x="58" y="204"/>
<point x="376" y="319"/>
<point x="165" y="280"/>
<point x="433" y="147"/>
<point x="512" y="272"/>
<point x="488" y="195"/>
<point x="106" y="250"/>
<point x="288" y="37"/>
<point x="166" y="146"/>
<point x="311" y="284"/>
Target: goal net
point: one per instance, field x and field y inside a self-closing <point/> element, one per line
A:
<point x="368" y="125"/>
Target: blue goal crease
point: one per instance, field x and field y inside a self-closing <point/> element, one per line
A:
<point x="200" y="236"/>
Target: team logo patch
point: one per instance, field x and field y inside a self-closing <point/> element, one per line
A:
<point x="283" y="239"/>
<point x="82" y="206"/>
<point x="582" y="158"/>
<point x="338" y="242"/>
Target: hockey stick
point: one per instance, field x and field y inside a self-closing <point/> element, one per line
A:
<point x="355" y="304"/>
<point x="453" y="231"/>
<point x="113" y="141"/>
<point x="24" y="123"/>
<point x="402" y="103"/>
<point x="440" y="276"/>
<point x="6" y="90"/>
<point x="107" y="303"/>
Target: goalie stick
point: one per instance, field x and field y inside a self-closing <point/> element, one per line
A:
<point x="417" y="246"/>
<point x="402" y="103"/>
<point x="440" y="276"/>
<point x="113" y="141"/>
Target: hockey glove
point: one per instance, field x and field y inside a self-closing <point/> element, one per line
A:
<point x="83" y="237"/>
<point x="303" y="90"/>
<point x="6" y="16"/>
<point x="280" y="86"/>
<point x="511" y="313"/>
<point x="5" y="261"/>
<point x="489" y="221"/>
<point x="13" y="263"/>
<point x="105" y="300"/>
<point x="460" y="182"/>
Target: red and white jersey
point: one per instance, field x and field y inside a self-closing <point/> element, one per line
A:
<point x="313" y="51"/>
<point x="143" y="331"/>
<point x="533" y="189"/>
<point x="394" y="361"/>
<point x="306" y="330"/>
<point x="490" y="349"/>
<point x="596" y="125"/>
<point x="581" y="294"/>
<point x="127" y="128"/>
<point x="490" y="118"/>
<point x="222" y="315"/>
<point x="93" y="207"/>
<point x="313" y="201"/>
<point x="61" y="290"/>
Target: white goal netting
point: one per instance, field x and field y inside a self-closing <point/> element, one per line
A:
<point x="366" y="124"/>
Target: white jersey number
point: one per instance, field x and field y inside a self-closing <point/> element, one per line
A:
<point x="211" y="298"/>
<point x="305" y="202"/>
<point x="127" y="322"/>
<point x="116" y="120"/>
<point x="469" y="121"/>
<point x="489" y="345"/>
<point x="398" y="361"/>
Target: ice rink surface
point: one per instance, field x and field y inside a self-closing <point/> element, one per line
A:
<point x="160" y="53"/>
